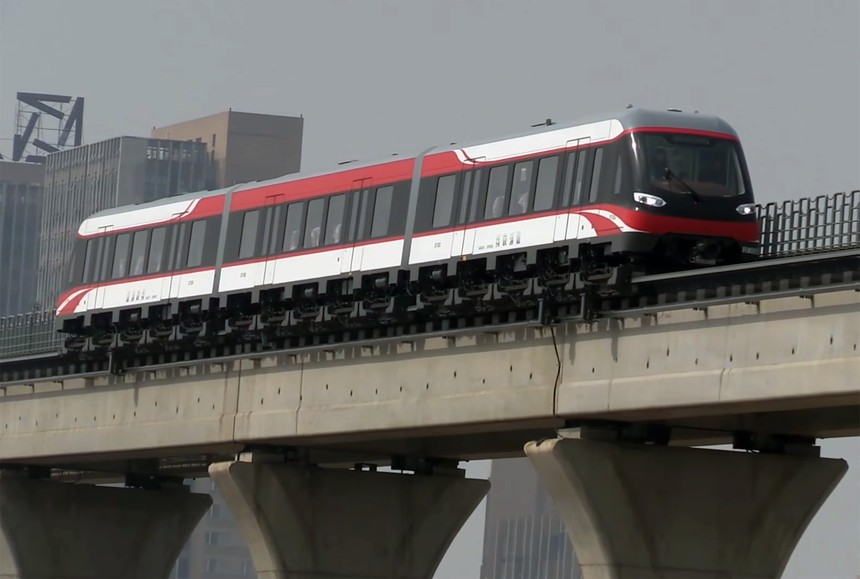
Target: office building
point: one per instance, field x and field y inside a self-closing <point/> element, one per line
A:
<point x="91" y="178"/>
<point x="243" y="147"/>
<point x="20" y="205"/>
<point x="524" y="538"/>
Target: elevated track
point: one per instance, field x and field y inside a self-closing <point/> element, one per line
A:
<point x="808" y="246"/>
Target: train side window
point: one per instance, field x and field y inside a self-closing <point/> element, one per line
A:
<point x="476" y="195"/>
<point x="334" y="221"/>
<point x="569" y="172"/>
<point x="444" y="201"/>
<point x="545" y="190"/>
<point x="362" y="214"/>
<point x="268" y="214"/>
<point x="353" y="215"/>
<point x="495" y="203"/>
<point x="120" y="261"/>
<point x="465" y="195"/>
<point x="138" y="252"/>
<point x="381" y="211"/>
<point x="178" y="247"/>
<point x="521" y="188"/>
<point x="313" y="227"/>
<point x="156" y="250"/>
<point x="595" y="175"/>
<point x="293" y="230"/>
<point x="99" y="258"/>
<point x="249" y="234"/>
<point x="580" y="177"/>
<point x="195" y="250"/>
<point x="106" y="259"/>
<point x="88" y="260"/>
<point x="270" y="240"/>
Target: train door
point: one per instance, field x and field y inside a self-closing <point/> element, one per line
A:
<point x="464" y="236"/>
<point x="273" y="232"/>
<point x="170" y="283"/>
<point x="578" y="227"/>
<point x="101" y="269"/>
<point x="564" y="219"/>
<point x="359" y="198"/>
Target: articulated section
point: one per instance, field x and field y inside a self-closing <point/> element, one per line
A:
<point x="307" y="522"/>
<point x="635" y="511"/>
<point x="51" y="530"/>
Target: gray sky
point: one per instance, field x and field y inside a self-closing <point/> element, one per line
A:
<point x="377" y="77"/>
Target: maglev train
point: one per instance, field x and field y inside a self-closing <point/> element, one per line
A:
<point x="651" y="187"/>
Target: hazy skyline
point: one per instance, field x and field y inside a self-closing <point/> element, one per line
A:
<point x="377" y="77"/>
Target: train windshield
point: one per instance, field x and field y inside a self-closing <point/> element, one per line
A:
<point x="711" y="167"/>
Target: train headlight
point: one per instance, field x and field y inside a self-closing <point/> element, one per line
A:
<point x="647" y="199"/>
<point x="746" y="208"/>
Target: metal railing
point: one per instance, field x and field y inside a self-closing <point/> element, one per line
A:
<point x="810" y="225"/>
<point x="796" y="227"/>
<point x="28" y="335"/>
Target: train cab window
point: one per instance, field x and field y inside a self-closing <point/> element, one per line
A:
<point x="120" y="261"/>
<point x="248" y="240"/>
<point x="293" y="230"/>
<point x="195" y="249"/>
<point x="313" y="226"/>
<point x="580" y="177"/>
<point x="496" y="190"/>
<point x="334" y="221"/>
<point x="619" y="175"/>
<point x="444" y="201"/>
<point x="595" y="175"/>
<point x="521" y="188"/>
<point x="545" y="190"/>
<point x="138" y="252"/>
<point x="381" y="211"/>
<point x="156" y="250"/>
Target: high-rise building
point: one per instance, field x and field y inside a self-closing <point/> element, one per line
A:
<point x="216" y="548"/>
<point x="20" y="206"/>
<point x="524" y="538"/>
<point x="243" y="147"/>
<point x="118" y="171"/>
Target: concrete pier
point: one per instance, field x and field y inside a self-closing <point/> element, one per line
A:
<point x="313" y="523"/>
<point x="636" y="511"/>
<point x="51" y="530"/>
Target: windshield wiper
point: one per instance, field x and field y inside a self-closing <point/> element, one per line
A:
<point x="671" y="175"/>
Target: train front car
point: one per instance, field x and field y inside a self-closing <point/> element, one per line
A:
<point x="688" y="194"/>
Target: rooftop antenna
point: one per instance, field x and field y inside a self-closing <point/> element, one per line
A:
<point x="547" y="122"/>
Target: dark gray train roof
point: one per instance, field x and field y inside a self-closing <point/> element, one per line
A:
<point x="629" y="118"/>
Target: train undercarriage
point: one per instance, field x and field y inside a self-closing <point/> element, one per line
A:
<point x="498" y="285"/>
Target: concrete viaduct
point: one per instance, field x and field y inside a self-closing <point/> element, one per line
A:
<point x="607" y="411"/>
